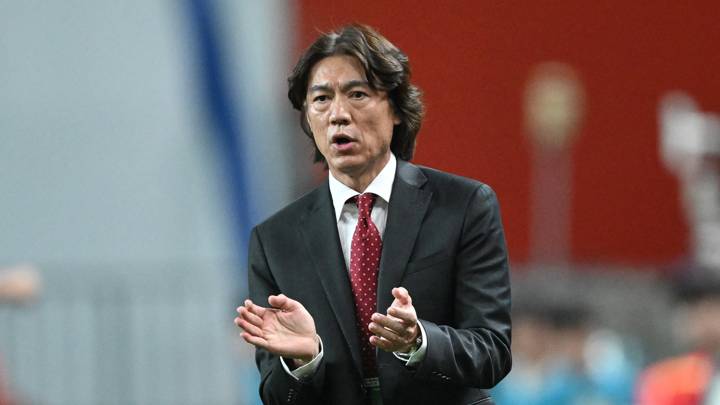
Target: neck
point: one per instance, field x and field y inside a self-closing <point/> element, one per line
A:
<point x="360" y="180"/>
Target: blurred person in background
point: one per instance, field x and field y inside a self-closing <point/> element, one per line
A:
<point x="389" y="283"/>
<point x="531" y="357"/>
<point x="18" y="285"/>
<point x="692" y="378"/>
<point x="563" y="358"/>
<point x="690" y="149"/>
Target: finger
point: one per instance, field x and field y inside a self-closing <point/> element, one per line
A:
<point x="383" y="344"/>
<point x="379" y="331"/>
<point x="394" y="324"/>
<point x="250" y="328"/>
<point x="255" y="309"/>
<point x="254" y="340"/>
<point x="402" y="295"/>
<point x="250" y="317"/>
<point x="408" y="316"/>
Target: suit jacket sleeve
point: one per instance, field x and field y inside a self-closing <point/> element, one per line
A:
<point x="475" y="349"/>
<point x="276" y="386"/>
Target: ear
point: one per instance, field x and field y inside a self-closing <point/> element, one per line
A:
<point x="395" y="115"/>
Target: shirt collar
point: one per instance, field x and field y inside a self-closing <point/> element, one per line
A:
<point x="380" y="186"/>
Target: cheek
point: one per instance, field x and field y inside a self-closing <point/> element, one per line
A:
<point x="387" y="126"/>
<point x="320" y="143"/>
<point x="381" y="130"/>
<point x="315" y="123"/>
<point x="385" y="132"/>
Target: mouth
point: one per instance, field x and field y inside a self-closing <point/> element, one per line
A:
<point x="341" y="139"/>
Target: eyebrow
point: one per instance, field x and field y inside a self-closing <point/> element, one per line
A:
<point x="344" y="87"/>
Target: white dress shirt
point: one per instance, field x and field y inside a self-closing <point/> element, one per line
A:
<point x="346" y="214"/>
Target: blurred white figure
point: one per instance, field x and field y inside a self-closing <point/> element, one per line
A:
<point x="690" y="148"/>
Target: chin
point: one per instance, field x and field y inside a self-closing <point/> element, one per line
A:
<point x="346" y="164"/>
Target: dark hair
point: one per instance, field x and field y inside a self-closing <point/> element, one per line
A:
<point x="695" y="284"/>
<point x="386" y="68"/>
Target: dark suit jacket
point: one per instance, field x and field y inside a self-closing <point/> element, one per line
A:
<point x="444" y="242"/>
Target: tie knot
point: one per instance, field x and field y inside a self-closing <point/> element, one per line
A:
<point x="365" y="203"/>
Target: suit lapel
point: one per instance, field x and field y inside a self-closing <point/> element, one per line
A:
<point x="319" y="229"/>
<point x="408" y="204"/>
<point x="407" y="209"/>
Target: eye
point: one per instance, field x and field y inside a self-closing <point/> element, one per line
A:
<point x="320" y="98"/>
<point x="358" y="95"/>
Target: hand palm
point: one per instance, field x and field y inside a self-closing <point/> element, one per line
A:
<point x="287" y="332"/>
<point x="280" y="325"/>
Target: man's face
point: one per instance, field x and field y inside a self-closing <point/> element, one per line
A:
<point x="352" y="124"/>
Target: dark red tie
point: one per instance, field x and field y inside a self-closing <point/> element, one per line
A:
<point x="364" y="266"/>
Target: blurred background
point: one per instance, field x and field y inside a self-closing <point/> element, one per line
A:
<point x="141" y="141"/>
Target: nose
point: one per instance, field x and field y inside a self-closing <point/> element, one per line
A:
<point x="339" y="114"/>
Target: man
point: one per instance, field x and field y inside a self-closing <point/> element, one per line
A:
<point x="389" y="283"/>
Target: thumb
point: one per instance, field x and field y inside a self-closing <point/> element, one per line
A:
<point x="282" y="302"/>
<point x="402" y="295"/>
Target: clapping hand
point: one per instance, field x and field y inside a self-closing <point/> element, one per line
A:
<point x="286" y="328"/>
<point x="398" y="330"/>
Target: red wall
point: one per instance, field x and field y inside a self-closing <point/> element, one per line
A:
<point x="472" y="59"/>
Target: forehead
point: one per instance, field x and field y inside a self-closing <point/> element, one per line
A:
<point x="336" y="69"/>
